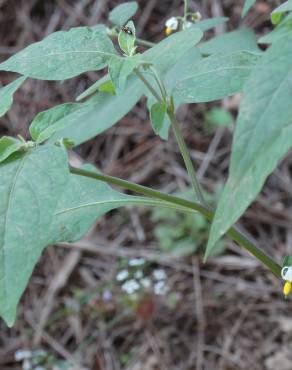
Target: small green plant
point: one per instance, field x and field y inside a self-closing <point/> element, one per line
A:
<point x="45" y="200"/>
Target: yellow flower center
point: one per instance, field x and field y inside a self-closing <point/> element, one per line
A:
<point x="287" y="288"/>
<point x="168" y="31"/>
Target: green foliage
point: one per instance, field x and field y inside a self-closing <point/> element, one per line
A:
<point x="241" y="40"/>
<point x="214" y="77"/>
<point x="8" y="146"/>
<point x="283" y="29"/>
<point x="262" y="135"/>
<point x="182" y="234"/>
<point x="127" y="39"/>
<point x="6" y="94"/>
<point x="121" y="68"/>
<point x="42" y="202"/>
<point x="277" y="14"/>
<point x="157" y="115"/>
<point x="247" y="5"/>
<point x="63" y="54"/>
<point x="122" y="13"/>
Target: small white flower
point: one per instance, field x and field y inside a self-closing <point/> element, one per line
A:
<point x="146" y="282"/>
<point x="22" y="354"/>
<point x="198" y="16"/>
<point x="122" y="275"/>
<point x="172" y="23"/>
<point x="136" y="262"/>
<point x="286" y="273"/>
<point x="138" y="274"/>
<point x="130" y="286"/>
<point x="160" y="288"/>
<point x="159" y="274"/>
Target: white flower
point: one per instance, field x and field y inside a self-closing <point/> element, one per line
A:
<point x="197" y="16"/>
<point x="22" y="354"/>
<point x="172" y="23"/>
<point x="287" y="273"/>
<point x="146" y="282"/>
<point x="160" y="288"/>
<point x="159" y="274"/>
<point x="122" y="275"/>
<point x="130" y="286"/>
<point x="136" y="262"/>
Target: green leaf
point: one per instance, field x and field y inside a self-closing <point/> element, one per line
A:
<point x="262" y="135"/>
<point x="127" y="40"/>
<point x="121" y="68"/>
<point x="63" y="54"/>
<point x="87" y="200"/>
<point x="157" y="115"/>
<point x="214" y="77"/>
<point x="277" y="13"/>
<point x="284" y="29"/>
<point x="8" y="146"/>
<point x="30" y="187"/>
<point x="101" y="115"/>
<point x="241" y="40"/>
<point x="104" y="84"/>
<point x="100" y="112"/>
<point x="55" y="119"/>
<point x="207" y="24"/>
<point x="247" y="5"/>
<point x="6" y="94"/>
<point x="122" y="13"/>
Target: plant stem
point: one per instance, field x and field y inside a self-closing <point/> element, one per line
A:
<point x="186" y="8"/>
<point x="179" y="137"/>
<point x="233" y="232"/>
<point x="187" y="159"/>
<point x="148" y="85"/>
<point x="146" y="43"/>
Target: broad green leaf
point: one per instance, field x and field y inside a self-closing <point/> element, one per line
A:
<point x="127" y="40"/>
<point x="63" y="54"/>
<point x="284" y="29"/>
<point x="121" y="68"/>
<point x="6" y="94"/>
<point x="214" y="77"/>
<point x="157" y="115"/>
<point x="277" y="13"/>
<point x="123" y="12"/>
<point x="55" y="119"/>
<point x="30" y="186"/>
<point x="262" y="136"/>
<point x="8" y="146"/>
<point x="101" y="115"/>
<point x="247" y="5"/>
<point x="207" y="24"/>
<point x="165" y="54"/>
<point x="87" y="200"/>
<point x="241" y="40"/>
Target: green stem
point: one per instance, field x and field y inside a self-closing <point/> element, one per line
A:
<point x="148" y="85"/>
<point x="146" y="43"/>
<point x="233" y="232"/>
<point x="186" y="8"/>
<point x="185" y="154"/>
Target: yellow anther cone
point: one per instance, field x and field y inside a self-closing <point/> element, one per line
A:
<point x="287" y="288"/>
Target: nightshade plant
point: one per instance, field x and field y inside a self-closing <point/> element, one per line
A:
<point x="44" y="200"/>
